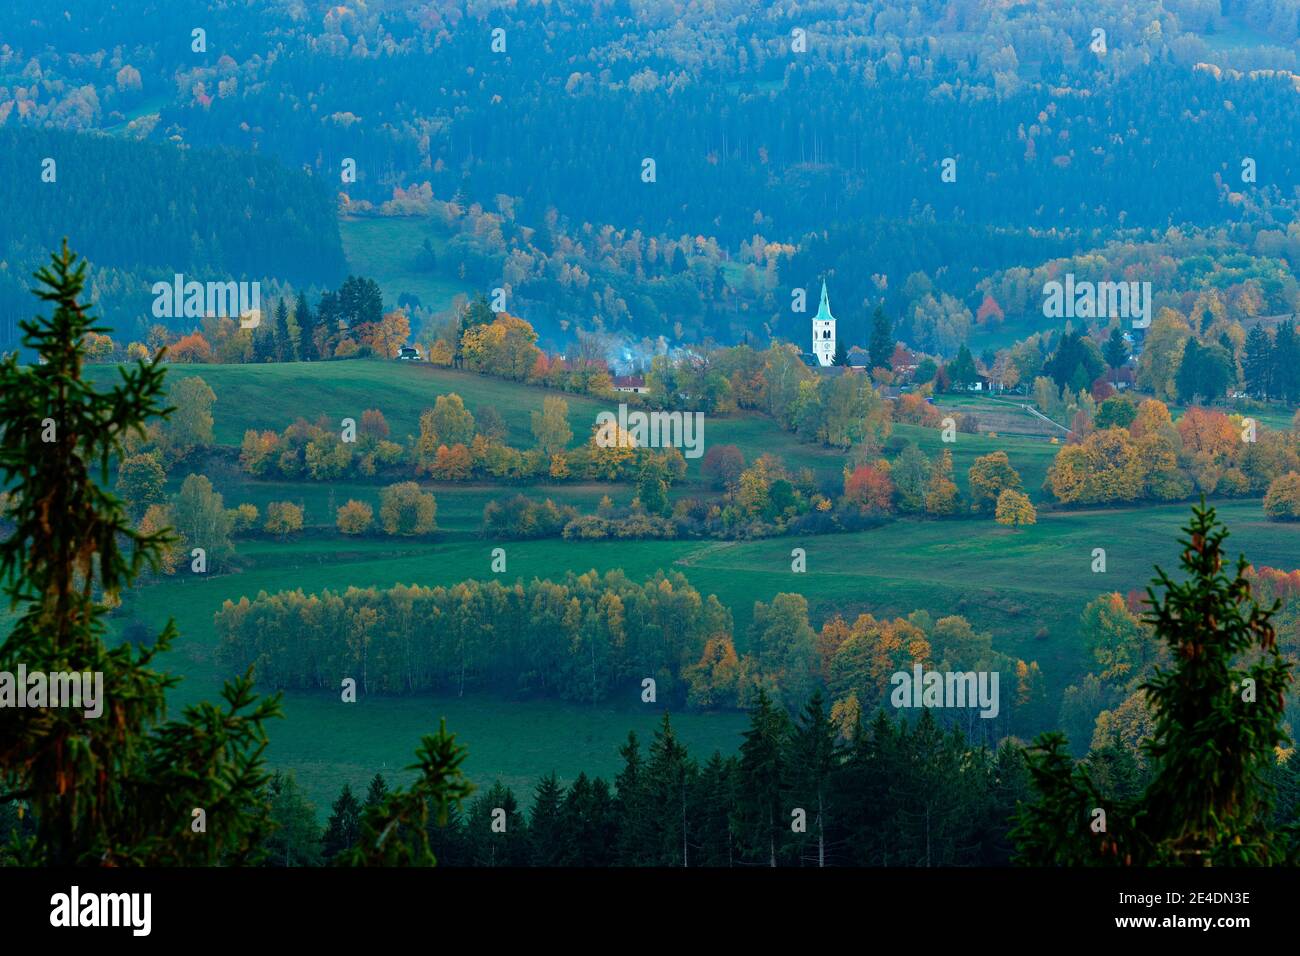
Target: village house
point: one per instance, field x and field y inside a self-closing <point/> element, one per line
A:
<point x="635" y="384"/>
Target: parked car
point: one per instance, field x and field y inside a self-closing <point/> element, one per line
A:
<point x="408" y="353"/>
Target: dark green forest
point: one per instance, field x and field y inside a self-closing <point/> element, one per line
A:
<point x="145" y="211"/>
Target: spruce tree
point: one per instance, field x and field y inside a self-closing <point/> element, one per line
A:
<point x="377" y="790"/>
<point x="762" y="817"/>
<point x="344" y="825"/>
<point x="576" y="821"/>
<point x="962" y="371"/>
<point x="284" y="350"/>
<point x="935" y="814"/>
<point x="486" y="844"/>
<point x="841" y="356"/>
<point x="306" y="321"/>
<point x="124" y="787"/>
<point x="867" y="799"/>
<point x="1285" y="372"/>
<point x="814" y="757"/>
<point x="328" y="320"/>
<point x="715" y="802"/>
<point x="263" y="345"/>
<point x="395" y="828"/>
<point x="477" y="312"/>
<point x="1115" y="352"/>
<point x="546" y="835"/>
<point x="671" y="775"/>
<point x="447" y="838"/>
<point x="881" y="347"/>
<point x="427" y="260"/>
<point x="636" y="828"/>
<point x="1257" y="363"/>
<point x="1218" y="720"/>
<point x="1217" y="723"/>
<point x="589" y="820"/>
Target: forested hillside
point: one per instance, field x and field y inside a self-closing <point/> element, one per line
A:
<point x="144" y="211"/>
<point x="870" y="141"/>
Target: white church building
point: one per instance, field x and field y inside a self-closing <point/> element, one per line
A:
<point x="823" y="330"/>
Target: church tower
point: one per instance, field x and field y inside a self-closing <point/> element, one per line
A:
<point x="824" y="331"/>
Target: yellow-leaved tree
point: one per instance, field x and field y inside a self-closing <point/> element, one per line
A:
<point x="1015" y="509"/>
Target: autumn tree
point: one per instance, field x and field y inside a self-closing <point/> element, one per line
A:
<point x="190" y="425"/>
<point x="551" y="425"/>
<point x="1014" y="509"/>
<point x="911" y="475"/>
<point x="355" y="517"/>
<point x="1104" y="467"/>
<point x="190" y="348"/>
<point x="452" y="423"/>
<point x="612" y="450"/>
<point x="141" y="482"/>
<point x="243" y="517"/>
<point x="1282" y="502"/>
<point x="373" y="427"/>
<point x="1162" y="352"/>
<point x="941" y="493"/>
<point x="722" y="465"/>
<point x="1120" y="644"/>
<point x="452" y="464"/>
<point x="506" y="347"/>
<point x="258" y="452"/>
<point x="283" y="518"/>
<point x="200" y="515"/>
<point x="988" y="477"/>
<point x="869" y="489"/>
<point x="407" y="511"/>
<point x="160" y="520"/>
<point x="389" y="334"/>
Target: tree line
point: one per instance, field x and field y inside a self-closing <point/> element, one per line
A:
<point x="591" y="638"/>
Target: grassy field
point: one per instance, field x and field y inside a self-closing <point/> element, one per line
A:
<point x="385" y="250"/>
<point x="1026" y="587"/>
<point x="272" y="396"/>
<point x="1014" y="329"/>
<point x="1002" y="415"/>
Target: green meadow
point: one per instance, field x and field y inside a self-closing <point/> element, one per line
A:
<point x="272" y="396"/>
<point x="1027" y="587"/>
<point x="384" y="249"/>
